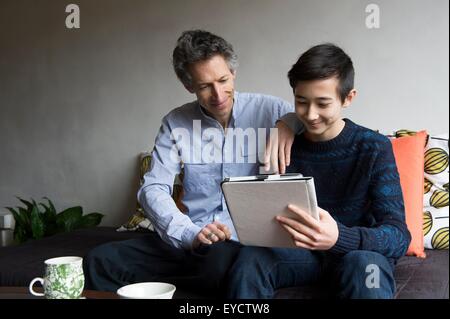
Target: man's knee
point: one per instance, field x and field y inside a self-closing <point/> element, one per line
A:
<point x="98" y="255"/>
<point x="218" y="260"/>
<point x="250" y="276"/>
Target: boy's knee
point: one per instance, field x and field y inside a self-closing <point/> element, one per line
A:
<point x="251" y="262"/>
<point x="360" y="260"/>
<point x="366" y="274"/>
<point x="250" y="256"/>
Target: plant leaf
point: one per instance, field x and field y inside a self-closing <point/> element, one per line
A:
<point x="50" y="204"/>
<point x="37" y="225"/>
<point x="35" y="205"/>
<point x="18" y="218"/>
<point x="49" y="220"/>
<point x="27" y="203"/>
<point x="22" y="228"/>
<point x="26" y="217"/>
<point x="69" y="219"/>
<point x="91" y="220"/>
<point x="49" y="214"/>
<point x="20" y="235"/>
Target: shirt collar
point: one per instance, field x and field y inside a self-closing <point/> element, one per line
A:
<point x="237" y="107"/>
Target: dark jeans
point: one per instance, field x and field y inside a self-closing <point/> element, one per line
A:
<point x="259" y="271"/>
<point x="113" y="265"/>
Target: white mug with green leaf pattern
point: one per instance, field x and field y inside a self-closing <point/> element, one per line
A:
<point x="63" y="279"/>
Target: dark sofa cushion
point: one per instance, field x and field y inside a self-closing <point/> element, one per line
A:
<point x="423" y="278"/>
<point x="20" y="264"/>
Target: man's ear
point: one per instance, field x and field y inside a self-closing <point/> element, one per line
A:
<point x="350" y="96"/>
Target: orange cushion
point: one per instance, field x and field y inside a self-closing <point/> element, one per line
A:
<point x="409" y="155"/>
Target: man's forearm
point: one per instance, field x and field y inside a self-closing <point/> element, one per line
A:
<point x="174" y="227"/>
<point x="292" y="121"/>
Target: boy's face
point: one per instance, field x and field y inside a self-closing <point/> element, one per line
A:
<point x="319" y="107"/>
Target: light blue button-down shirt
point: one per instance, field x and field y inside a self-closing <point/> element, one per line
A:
<point x="186" y="133"/>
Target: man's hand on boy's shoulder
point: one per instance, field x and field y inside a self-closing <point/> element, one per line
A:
<point x="278" y="149"/>
<point x="309" y="233"/>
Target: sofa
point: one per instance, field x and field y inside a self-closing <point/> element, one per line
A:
<point x="416" y="278"/>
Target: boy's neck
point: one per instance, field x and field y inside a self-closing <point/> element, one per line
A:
<point x="331" y="132"/>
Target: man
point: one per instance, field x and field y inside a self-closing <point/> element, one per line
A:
<point x="362" y="227"/>
<point x="194" y="249"/>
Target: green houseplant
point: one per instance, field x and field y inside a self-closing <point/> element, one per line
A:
<point x="37" y="220"/>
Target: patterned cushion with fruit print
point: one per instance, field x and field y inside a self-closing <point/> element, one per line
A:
<point x="436" y="196"/>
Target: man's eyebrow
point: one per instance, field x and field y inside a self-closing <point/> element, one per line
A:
<point x="324" y="98"/>
<point x="202" y="83"/>
<point x="206" y="83"/>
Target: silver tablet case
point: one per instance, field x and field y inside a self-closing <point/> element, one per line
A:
<point x="253" y="206"/>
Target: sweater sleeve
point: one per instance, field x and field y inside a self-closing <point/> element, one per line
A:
<point x="389" y="235"/>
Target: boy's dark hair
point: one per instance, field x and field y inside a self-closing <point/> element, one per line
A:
<point x="322" y="62"/>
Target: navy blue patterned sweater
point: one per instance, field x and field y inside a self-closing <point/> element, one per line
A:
<point x="357" y="182"/>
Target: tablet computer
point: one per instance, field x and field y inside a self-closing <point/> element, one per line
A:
<point x="254" y="201"/>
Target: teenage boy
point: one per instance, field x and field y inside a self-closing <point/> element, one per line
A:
<point x="361" y="233"/>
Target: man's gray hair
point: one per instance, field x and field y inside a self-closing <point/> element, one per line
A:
<point x="199" y="45"/>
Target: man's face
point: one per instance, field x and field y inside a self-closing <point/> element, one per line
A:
<point x="319" y="107"/>
<point x="213" y="83"/>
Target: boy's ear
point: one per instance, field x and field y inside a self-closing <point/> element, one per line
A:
<point x="350" y="96"/>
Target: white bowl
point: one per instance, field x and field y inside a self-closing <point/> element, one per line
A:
<point x="147" y="290"/>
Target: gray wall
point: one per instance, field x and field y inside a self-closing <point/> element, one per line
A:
<point x="77" y="106"/>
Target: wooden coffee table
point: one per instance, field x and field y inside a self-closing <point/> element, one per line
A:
<point x="23" y="293"/>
